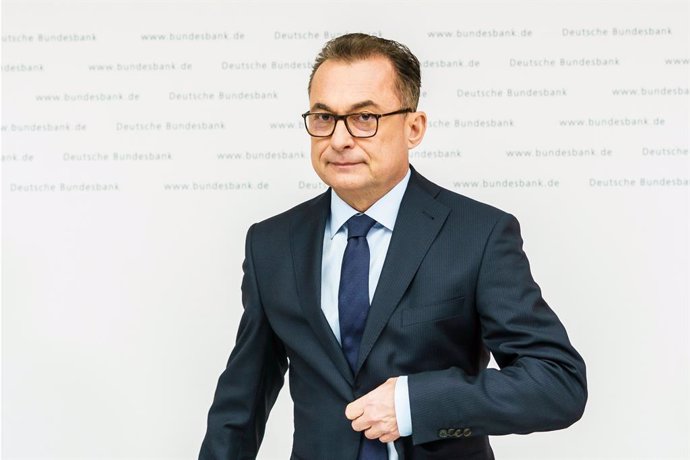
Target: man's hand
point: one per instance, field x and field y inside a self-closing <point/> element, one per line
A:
<point x="374" y="413"/>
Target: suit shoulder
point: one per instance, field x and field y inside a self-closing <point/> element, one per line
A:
<point x="466" y="208"/>
<point x="470" y="205"/>
<point x="460" y="204"/>
<point x="279" y="223"/>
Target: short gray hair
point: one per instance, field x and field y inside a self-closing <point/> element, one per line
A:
<point x="358" y="46"/>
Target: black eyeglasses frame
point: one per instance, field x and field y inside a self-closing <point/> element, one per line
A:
<point x="344" y="117"/>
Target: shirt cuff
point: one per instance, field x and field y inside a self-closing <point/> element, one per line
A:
<point x="402" y="406"/>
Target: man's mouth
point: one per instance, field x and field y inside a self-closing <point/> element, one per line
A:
<point x="345" y="164"/>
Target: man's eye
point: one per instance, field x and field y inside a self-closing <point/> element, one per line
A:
<point x="364" y="116"/>
<point x="324" y="117"/>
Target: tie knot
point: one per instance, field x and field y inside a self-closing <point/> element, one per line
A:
<point x="359" y="225"/>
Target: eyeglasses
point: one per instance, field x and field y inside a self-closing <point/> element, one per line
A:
<point x="360" y="124"/>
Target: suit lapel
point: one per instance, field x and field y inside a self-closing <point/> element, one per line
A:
<point x="419" y="220"/>
<point x="306" y="236"/>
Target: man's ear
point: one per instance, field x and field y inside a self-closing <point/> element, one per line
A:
<point x="416" y="127"/>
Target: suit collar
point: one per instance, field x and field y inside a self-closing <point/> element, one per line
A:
<point x="306" y="239"/>
<point x="419" y="220"/>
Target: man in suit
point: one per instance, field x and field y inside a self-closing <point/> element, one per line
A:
<point x="385" y="295"/>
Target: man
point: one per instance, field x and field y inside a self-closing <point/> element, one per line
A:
<point x="386" y="294"/>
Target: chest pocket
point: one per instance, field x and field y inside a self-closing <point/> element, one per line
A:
<point x="434" y="312"/>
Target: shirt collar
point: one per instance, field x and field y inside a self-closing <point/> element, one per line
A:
<point x="384" y="211"/>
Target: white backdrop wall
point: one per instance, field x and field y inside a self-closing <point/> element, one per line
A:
<point x="141" y="139"/>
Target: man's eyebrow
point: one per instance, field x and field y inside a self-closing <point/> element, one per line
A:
<point x="361" y="105"/>
<point x="320" y="106"/>
<point x="353" y="107"/>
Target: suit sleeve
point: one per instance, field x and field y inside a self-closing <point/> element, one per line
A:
<point x="249" y="385"/>
<point x="541" y="383"/>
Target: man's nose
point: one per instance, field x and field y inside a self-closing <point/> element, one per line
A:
<point x="341" y="137"/>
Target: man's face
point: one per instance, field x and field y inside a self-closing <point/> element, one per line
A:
<point x="360" y="170"/>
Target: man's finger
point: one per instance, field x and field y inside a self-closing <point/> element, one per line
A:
<point x="389" y="437"/>
<point x="357" y="425"/>
<point x="355" y="409"/>
<point x="381" y="430"/>
<point x="373" y="433"/>
<point x="361" y="423"/>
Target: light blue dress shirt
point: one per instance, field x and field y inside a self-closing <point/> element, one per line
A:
<point x="384" y="212"/>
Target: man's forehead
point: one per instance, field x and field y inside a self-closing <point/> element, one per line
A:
<point x="364" y="104"/>
<point x="351" y="85"/>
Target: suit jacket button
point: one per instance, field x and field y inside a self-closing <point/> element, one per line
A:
<point x="467" y="432"/>
<point x="458" y="433"/>
<point x="443" y="433"/>
<point x="451" y="432"/>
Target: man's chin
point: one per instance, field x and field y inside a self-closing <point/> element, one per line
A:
<point x="348" y="186"/>
<point x="345" y="178"/>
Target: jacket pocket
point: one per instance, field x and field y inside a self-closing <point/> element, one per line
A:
<point x="434" y="312"/>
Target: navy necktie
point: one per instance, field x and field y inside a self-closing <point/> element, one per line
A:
<point x="353" y="308"/>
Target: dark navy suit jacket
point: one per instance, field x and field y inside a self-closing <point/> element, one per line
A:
<point x="455" y="286"/>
